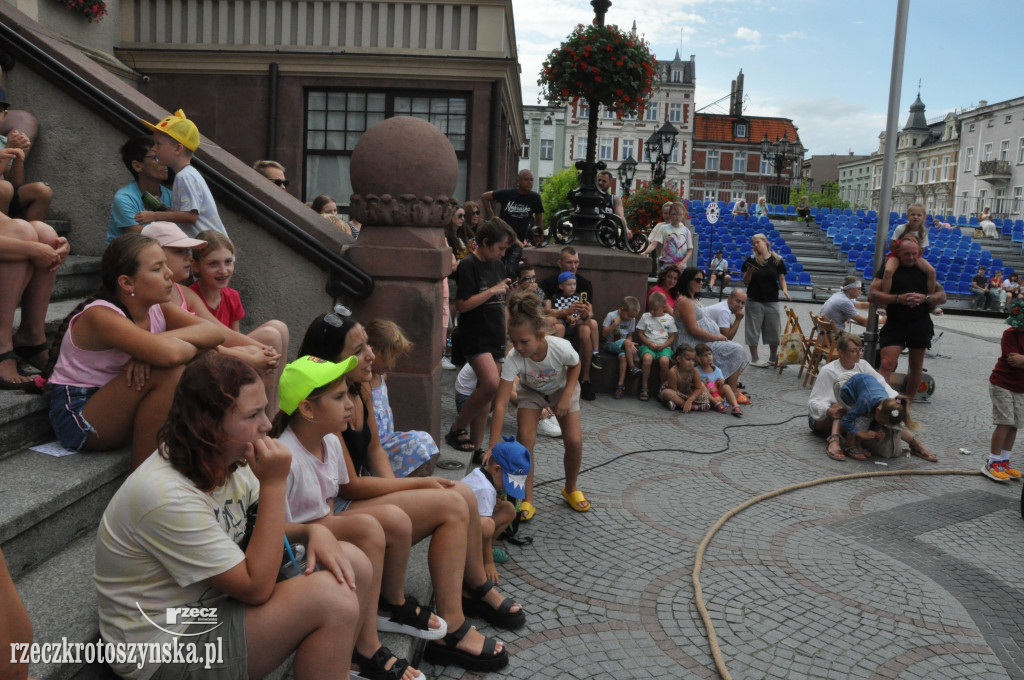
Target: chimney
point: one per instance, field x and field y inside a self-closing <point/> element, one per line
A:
<point x="736" y="98"/>
<point x="982" y="102"/>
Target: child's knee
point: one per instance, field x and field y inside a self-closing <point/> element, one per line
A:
<point x="647" y="359"/>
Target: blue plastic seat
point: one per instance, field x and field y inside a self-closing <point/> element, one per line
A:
<point x="790" y="209"/>
<point x="805" y="278"/>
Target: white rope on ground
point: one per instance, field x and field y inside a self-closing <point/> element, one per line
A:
<point x="698" y="592"/>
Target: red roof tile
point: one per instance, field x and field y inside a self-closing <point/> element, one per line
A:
<point x="719" y="128"/>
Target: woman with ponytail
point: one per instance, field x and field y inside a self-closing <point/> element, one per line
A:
<point x="119" y="354"/>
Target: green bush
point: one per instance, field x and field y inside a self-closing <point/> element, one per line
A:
<point x="643" y="207"/>
<point x="555" y="194"/>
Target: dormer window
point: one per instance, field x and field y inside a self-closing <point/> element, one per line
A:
<point x="741" y="130"/>
<point x="677" y="76"/>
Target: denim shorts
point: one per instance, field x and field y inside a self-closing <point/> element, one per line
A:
<point x="66" y="404"/>
<point x="615" y="347"/>
<point x="460" y="399"/>
<point x="341" y="504"/>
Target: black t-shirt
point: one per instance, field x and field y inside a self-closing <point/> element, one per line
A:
<point x="764" y="281"/>
<point x="583" y="285"/>
<point x="980" y="280"/>
<point x="607" y="204"/>
<point x="481" y="329"/>
<point x="518" y="209"/>
<point x="906" y="280"/>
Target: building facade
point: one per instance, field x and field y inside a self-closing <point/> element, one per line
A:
<point x="856" y="181"/>
<point x="621" y="138"/>
<point x="543" y="153"/>
<point x="727" y="160"/>
<point x="925" y="162"/>
<point x="991" y="169"/>
<point x="299" y="81"/>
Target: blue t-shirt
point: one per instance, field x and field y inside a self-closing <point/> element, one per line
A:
<point x="127" y="203"/>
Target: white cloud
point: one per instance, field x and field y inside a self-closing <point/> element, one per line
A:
<point x="794" y="35"/>
<point x="749" y="34"/>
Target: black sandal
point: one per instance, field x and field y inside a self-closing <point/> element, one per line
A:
<point x="375" y="667"/>
<point x="502" y="617"/>
<point x="448" y="654"/>
<point x="14" y="384"/>
<point x="409" y="618"/>
<point x="459" y="440"/>
<point x="27" y="352"/>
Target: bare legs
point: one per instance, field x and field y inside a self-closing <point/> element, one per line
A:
<point x="275" y="334"/>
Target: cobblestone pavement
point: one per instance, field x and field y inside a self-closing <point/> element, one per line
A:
<point x="894" y="577"/>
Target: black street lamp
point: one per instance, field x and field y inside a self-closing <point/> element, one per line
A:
<point x="780" y="152"/>
<point x="626" y="172"/>
<point x="659" y="147"/>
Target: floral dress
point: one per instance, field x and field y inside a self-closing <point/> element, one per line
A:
<point x="406" y="450"/>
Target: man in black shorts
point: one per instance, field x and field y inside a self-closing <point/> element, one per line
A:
<point x="521" y="206"/>
<point x="908" y="322"/>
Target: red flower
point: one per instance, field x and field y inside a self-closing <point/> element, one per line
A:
<point x="565" y="93"/>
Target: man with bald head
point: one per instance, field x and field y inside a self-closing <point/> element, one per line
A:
<point x="908" y="320"/>
<point x="520" y="208"/>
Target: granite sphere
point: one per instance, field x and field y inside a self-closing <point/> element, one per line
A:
<point x="404" y="155"/>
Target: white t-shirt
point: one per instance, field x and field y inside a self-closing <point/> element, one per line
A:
<point x="465" y="381"/>
<point x="898" y="232"/>
<point x="822" y="394"/>
<point x="839" y="308"/>
<point x="720" y="314"/>
<point x="657" y="328"/>
<point x="546" y="376"/>
<point x="622" y="330"/>
<point x="189" y="193"/>
<point x="159" y="538"/>
<point x="486" y="494"/>
<point x="675" y="241"/>
<point x="312" y="483"/>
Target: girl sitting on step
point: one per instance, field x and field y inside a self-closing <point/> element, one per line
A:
<point x="119" y="354"/>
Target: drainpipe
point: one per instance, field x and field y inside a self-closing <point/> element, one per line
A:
<point x="494" y="173"/>
<point x="272" y="111"/>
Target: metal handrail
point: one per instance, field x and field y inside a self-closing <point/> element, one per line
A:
<point x="345" y="278"/>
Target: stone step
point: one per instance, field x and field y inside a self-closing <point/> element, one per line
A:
<point x="48" y="501"/>
<point x="23" y="421"/>
<point x="56" y="312"/>
<point x="77" y="278"/>
<point x="62" y="227"/>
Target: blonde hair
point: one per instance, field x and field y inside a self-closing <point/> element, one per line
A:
<point x="631" y="304"/>
<point x="657" y="298"/>
<point x="388" y="340"/>
<point x="896" y="411"/>
<point x="525" y="309"/>
<point x="214" y="241"/>
<point x="772" y="255"/>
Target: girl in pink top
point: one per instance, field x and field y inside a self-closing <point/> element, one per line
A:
<point x="119" y="354"/>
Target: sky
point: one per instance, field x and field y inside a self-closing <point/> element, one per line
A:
<point x="826" y="64"/>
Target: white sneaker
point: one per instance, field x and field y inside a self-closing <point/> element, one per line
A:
<point x="447" y="364"/>
<point x="549" y="427"/>
<point x="760" y="363"/>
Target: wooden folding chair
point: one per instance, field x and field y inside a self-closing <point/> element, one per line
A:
<point x="823" y="348"/>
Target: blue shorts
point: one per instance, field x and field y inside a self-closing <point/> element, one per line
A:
<point x="66" y="404"/>
<point x="460" y="399"/>
<point x="341" y="504"/>
<point x="615" y="347"/>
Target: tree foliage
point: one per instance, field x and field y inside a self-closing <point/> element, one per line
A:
<point x="555" y="194"/>
<point x="643" y="206"/>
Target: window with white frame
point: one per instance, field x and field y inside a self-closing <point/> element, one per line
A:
<point x="766" y="166"/>
<point x="933" y="174"/>
<point x="991" y="122"/>
<point x="674" y="157"/>
<point x="945" y="167"/>
<point x="970" y="128"/>
<point x="628" y="149"/>
<point x="1009" y="118"/>
<point x="524" y="152"/>
<point x="1018" y="195"/>
<point x="629" y="116"/>
<point x="712" y="162"/>
<point x="675" y="113"/>
<point x="677" y="76"/>
<point x="651" y="113"/>
<point x="1004" y="150"/>
<point x="710" y="195"/>
<point x="584" y="109"/>
<point x="1020" y="151"/>
<point x="739" y="162"/>
<point x="968" y="158"/>
<point x="547" y="149"/>
<point x="581" y="148"/>
<point x="963" y="203"/>
<point x="913" y="173"/>
<point x="606" y="148"/>
<point x="986" y="154"/>
<point x="901" y="172"/>
<point x="741" y="130"/>
<point x="608" y="113"/>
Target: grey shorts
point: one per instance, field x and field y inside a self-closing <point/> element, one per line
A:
<point x="533" y="399"/>
<point x="228" y="637"/>
<point x="762" y="321"/>
<point x="1007" y="406"/>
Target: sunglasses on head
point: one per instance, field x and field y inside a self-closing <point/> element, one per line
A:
<point x="338" y="316"/>
<point x="280" y="182"/>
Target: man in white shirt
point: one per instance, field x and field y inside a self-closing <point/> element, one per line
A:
<point x="842" y="306"/>
<point x="729" y="312"/>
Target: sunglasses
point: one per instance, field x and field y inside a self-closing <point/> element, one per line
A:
<point x="460" y="216"/>
<point x="338" y="316"/>
<point x="699" y="279"/>
<point x="280" y="182"/>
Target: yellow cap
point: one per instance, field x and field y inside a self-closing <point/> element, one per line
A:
<point x="179" y="128"/>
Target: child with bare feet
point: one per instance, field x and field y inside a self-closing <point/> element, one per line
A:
<point x="683" y="389"/>
<point x="712" y="376"/>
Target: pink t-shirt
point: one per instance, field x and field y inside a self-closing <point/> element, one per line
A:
<point x="230" y="308"/>
<point x="88" y="368"/>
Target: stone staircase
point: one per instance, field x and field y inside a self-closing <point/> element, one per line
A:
<point x="826" y="265"/>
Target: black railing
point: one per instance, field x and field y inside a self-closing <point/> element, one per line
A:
<point x="344" y="278"/>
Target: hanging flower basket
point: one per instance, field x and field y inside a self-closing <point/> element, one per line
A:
<point x="93" y="10"/>
<point x="601" y="63"/>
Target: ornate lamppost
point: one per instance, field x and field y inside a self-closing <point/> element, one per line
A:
<point x="780" y="152"/>
<point x="659" y="147"/>
<point x="626" y="172"/>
